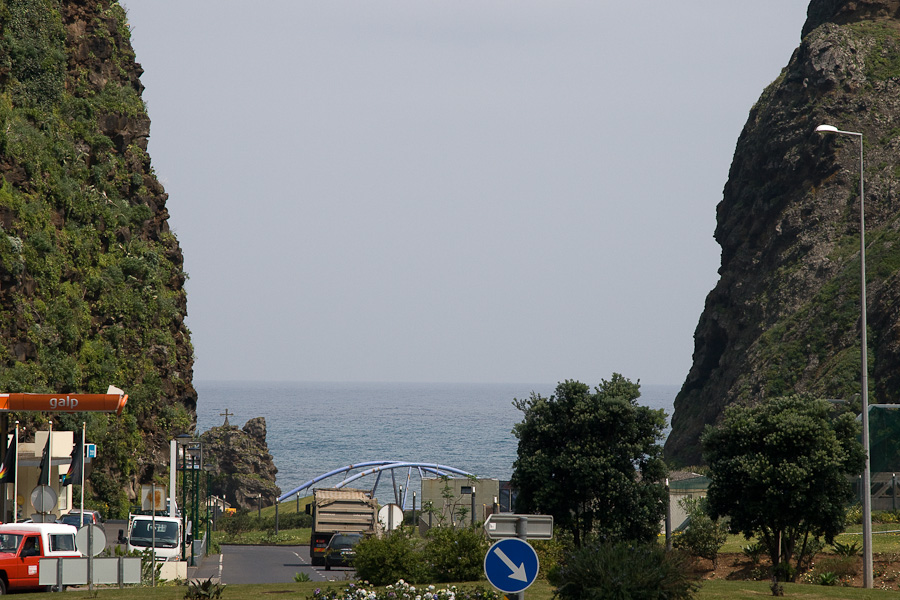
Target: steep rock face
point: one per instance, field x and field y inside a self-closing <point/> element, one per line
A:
<point x="91" y="278"/>
<point x="784" y="317"/>
<point x="242" y="466"/>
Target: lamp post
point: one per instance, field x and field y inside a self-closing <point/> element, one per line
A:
<point x="207" y="469"/>
<point x="195" y="450"/>
<point x="864" y="375"/>
<point x="183" y="440"/>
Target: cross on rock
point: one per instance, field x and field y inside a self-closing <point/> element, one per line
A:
<point x="226" y="414"/>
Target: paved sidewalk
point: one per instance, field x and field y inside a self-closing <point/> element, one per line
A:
<point x="207" y="567"/>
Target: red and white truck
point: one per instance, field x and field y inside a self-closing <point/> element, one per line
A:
<point x="23" y="545"/>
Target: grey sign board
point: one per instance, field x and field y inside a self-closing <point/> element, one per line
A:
<point x="506" y="525"/>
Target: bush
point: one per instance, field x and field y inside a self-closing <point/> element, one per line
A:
<point x="850" y="549"/>
<point x="615" y="571"/>
<point x="551" y="552"/>
<point x="703" y="536"/>
<point x="455" y="554"/>
<point x="385" y="560"/>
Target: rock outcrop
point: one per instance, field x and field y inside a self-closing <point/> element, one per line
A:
<point x="242" y="467"/>
<point x="784" y="316"/>
<point x="91" y="277"/>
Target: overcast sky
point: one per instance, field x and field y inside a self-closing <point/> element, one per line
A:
<point x="462" y="190"/>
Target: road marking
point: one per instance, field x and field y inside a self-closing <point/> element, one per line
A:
<point x="315" y="571"/>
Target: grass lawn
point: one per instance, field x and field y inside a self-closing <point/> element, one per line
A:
<point x="882" y="543"/>
<point x="541" y="590"/>
<point x="285" y="537"/>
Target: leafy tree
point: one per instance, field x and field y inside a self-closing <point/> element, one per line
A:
<point x="779" y="471"/>
<point x="592" y="460"/>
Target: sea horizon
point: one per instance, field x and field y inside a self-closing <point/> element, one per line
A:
<point x="314" y="427"/>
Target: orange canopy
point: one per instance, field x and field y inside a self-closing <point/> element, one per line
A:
<point x="65" y="403"/>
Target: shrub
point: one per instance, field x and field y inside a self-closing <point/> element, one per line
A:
<point x="851" y="549"/>
<point x="404" y="591"/>
<point x="753" y="551"/>
<point x="614" y="571"/>
<point x="390" y="558"/>
<point x="455" y="554"/>
<point x="551" y="552"/>
<point x="200" y="589"/>
<point x="703" y="536"/>
<point x="842" y="567"/>
<point x="239" y="522"/>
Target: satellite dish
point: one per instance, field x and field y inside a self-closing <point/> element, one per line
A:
<point x="390" y="516"/>
<point x="43" y="499"/>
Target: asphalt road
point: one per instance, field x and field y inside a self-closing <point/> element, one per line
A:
<point x="266" y="564"/>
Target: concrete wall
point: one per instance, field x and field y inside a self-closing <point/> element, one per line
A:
<point x="459" y="496"/>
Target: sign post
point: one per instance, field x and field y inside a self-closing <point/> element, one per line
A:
<point x="505" y="525"/>
<point x="511" y="564"/>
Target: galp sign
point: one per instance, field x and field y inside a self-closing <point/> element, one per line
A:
<point x="112" y="401"/>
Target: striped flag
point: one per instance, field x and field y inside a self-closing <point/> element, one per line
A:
<point x="8" y="468"/>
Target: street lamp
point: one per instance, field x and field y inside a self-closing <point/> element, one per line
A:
<point x="864" y="375"/>
<point x="183" y="440"/>
<point x="195" y="450"/>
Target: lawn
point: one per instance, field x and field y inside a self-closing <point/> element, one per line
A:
<point x="882" y="543"/>
<point x="541" y="590"/>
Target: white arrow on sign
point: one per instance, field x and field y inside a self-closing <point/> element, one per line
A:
<point x="517" y="572"/>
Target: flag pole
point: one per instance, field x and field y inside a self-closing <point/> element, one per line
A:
<point x="82" y="472"/>
<point x="16" y="479"/>
<point x="49" y="452"/>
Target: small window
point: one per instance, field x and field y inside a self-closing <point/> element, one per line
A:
<point x="62" y="542"/>
<point x="31" y="546"/>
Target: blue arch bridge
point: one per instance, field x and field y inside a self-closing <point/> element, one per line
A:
<point x="400" y="486"/>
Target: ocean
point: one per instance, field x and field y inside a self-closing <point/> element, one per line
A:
<point x="314" y="428"/>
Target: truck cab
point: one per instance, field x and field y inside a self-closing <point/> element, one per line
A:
<point x="23" y="545"/>
<point x="143" y="529"/>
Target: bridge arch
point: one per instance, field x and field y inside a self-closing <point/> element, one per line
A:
<point x="377" y="468"/>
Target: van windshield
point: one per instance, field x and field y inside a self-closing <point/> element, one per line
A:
<point x="142" y="534"/>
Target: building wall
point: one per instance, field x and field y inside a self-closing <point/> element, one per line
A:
<point x="29" y="456"/>
<point x="447" y="496"/>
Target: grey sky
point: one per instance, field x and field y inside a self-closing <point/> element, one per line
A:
<point x="451" y="190"/>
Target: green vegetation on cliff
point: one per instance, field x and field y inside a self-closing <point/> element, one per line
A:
<point x="91" y="279"/>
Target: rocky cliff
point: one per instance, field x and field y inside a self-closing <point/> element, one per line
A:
<point x="91" y="277"/>
<point x="784" y="316"/>
<point x="242" y="467"/>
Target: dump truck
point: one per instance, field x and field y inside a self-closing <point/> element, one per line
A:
<point x="339" y="511"/>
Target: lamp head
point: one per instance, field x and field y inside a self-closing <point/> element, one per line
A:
<point x="826" y="129"/>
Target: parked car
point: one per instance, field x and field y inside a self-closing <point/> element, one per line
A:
<point x="341" y="550"/>
<point x="76" y="518"/>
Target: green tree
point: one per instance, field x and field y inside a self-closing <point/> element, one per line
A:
<point x="779" y="471"/>
<point x="592" y="460"/>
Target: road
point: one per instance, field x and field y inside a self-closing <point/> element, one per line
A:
<point x="266" y="564"/>
<point x="253" y="564"/>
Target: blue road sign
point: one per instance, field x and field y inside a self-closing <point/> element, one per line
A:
<point x="511" y="565"/>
